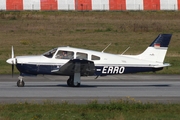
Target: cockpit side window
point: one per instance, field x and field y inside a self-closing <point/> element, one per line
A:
<point x="80" y="55"/>
<point x="94" y="57"/>
<point x="50" y="53"/>
<point x="64" y="54"/>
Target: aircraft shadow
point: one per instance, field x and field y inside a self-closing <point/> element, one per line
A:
<point x="61" y="85"/>
<point x="165" y="85"/>
<point x="86" y="86"/>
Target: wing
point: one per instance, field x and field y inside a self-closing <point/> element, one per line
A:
<point x="84" y="67"/>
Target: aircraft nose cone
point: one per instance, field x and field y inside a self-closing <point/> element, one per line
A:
<point x="11" y="61"/>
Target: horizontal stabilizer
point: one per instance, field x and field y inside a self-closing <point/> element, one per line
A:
<point x="164" y="65"/>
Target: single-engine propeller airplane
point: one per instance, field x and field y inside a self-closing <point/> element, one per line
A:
<point x="75" y="62"/>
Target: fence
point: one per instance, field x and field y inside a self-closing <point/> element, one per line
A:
<point x="86" y="5"/>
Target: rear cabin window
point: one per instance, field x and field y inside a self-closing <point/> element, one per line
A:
<point x="64" y="55"/>
<point x="94" y="57"/>
<point x="80" y="55"/>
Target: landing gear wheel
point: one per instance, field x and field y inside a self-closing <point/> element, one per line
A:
<point x="70" y="82"/>
<point x="20" y="83"/>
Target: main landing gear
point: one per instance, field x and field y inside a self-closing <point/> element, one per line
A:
<point x="20" y="82"/>
<point x="74" y="80"/>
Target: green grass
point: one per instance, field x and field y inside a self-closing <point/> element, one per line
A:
<point x="114" y="110"/>
<point x="35" y="32"/>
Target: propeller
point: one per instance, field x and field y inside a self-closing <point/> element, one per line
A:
<point x="12" y="70"/>
<point x="12" y="54"/>
<point x="12" y="61"/>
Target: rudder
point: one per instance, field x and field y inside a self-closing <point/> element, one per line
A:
<point x="161" y="41"/>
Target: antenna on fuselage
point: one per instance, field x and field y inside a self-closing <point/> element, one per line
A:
<point x="106" y="48"/>
<point x="126" y="50"/>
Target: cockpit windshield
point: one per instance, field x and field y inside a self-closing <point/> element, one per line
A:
<point x="50" y="53"/>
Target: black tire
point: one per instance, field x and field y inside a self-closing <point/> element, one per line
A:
<point x="70" y="82"/>
<point x="20" y="84"/>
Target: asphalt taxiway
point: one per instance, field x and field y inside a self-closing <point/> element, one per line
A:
<point x="144" y="88"/>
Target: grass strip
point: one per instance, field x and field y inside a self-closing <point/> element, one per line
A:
<point x="114" y="110"/>
<point x="35" y="32"/>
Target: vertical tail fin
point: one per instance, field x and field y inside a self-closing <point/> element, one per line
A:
<point x="156" y="52"/>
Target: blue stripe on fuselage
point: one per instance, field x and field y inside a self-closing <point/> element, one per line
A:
<point x="36" y="69"/>
<point x="111" y="70"/>
<point x="100" y="70"/>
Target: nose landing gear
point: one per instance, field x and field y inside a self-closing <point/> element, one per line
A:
<point x="20" y="82"/>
